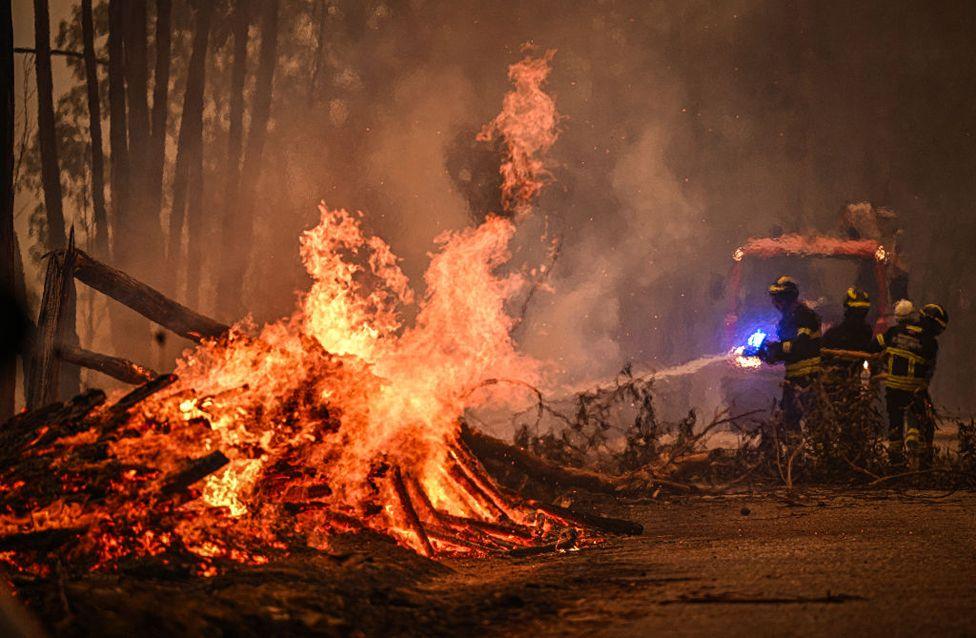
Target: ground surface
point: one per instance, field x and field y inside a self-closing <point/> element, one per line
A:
<point x="866" y="563"/>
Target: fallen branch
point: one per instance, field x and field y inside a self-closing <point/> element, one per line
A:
<point x="147" y="301"/>
<point x="115" y="367"/>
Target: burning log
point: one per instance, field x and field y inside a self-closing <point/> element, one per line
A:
<point x="196" y="470"/>
<point x="123" y="405"/>
<point x="602" y="523"/>
<point x="115" y="367"/>
<point x="147" y="301"/>
<point x="410" y="513"/>
<point x="489" y="447"/>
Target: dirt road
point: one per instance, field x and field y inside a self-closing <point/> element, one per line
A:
<point x="866" y="564"/>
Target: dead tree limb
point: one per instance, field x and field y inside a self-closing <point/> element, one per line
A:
<point x="115" y="367"/>
<point x="147" y="301"/>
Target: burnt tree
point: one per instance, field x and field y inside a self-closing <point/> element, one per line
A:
<point x="118" y="141"/>
<point x="239" y="224"/>
<point x="160" y="106"/>
<point x="187" y="179"/>
<point x="8" y="365"/>
<point x="46" y="131"/>
<point x="240" y="24"/>
<point x="95" y="129"/>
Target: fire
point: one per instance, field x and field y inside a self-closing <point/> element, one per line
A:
<point x="527" y="124"/>
<point x="339" y="417"/>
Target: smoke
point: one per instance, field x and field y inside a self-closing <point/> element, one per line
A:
<point x="688" y="128"/>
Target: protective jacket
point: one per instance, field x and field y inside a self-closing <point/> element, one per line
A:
<point x="799" y="343"/>
<point x="910" y="352"/>
<point x="853" y="334"/>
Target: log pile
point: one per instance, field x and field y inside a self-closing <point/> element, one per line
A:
<point x="67" y="497"/>
<point x="55" y="463"/>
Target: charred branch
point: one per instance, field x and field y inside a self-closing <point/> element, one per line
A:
<point x="147" y="301"/>
<point x="115" y="367"/>
<point x="410" y="513"/>
<point x="196" y="470"/>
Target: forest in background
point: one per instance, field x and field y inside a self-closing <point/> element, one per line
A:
<point x="194" y="139"/>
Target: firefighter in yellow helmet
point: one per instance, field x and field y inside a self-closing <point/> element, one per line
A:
<point x="798" y="348"/>
<point x="847" y="345"/>
<point x="910" y="350"/>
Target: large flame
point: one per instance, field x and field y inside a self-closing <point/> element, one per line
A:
<point x="339" y="416"/>
<point x="527" y="124"/>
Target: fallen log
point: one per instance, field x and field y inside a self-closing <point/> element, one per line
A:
<point x="115" y="367"/>
<point x="416" y="526"/>
<point x="488" y="447"/>
<point x="142" y="392"/>
<point x="602" y="523"/>
<point x="147" y="301"/>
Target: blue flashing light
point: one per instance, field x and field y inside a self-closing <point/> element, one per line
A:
<point x="756" y="339"/>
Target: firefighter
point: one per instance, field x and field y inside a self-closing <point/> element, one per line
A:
<point x="798" y="347"/>
<point x="848" y="344"/>
<point x="910" y="350"/>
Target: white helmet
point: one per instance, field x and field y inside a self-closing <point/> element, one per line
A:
<point x="903" y="310"/>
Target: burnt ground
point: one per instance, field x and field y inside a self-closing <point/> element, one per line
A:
<point x="869" y="563"/>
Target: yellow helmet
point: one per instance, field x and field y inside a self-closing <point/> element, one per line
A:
<point x="784" y="286"/>
<point x="857" y="298"/>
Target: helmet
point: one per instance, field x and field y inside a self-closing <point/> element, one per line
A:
<point x="857" y="298"/>
<point x="903" y="310"/>
<point x="936" y="314"/>
<point x="785" y="287"/>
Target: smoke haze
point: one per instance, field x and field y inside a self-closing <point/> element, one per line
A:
<point x="687" y="128"/>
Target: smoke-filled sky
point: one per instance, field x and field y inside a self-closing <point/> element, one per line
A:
<point x="688" y="126"/>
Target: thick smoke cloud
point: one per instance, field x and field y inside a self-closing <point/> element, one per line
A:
<point x="688" y="127"/>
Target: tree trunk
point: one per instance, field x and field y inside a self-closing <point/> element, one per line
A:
<point x="118" y="138"/>
<point x="95" y="129"/>
<point x="235" y="138"/>
<point x="319" y="52"/>
<point x="8" y="366"/>
<point x="136" y="227"/>
<point x="189" y="154"/>
<point x="157" y="153"/>
<point x="47" y="134"/>
<point x="236" y="246"/>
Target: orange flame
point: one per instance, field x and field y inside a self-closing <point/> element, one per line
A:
<point x="339" y="417"/>
<point x="527" y="124"/>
